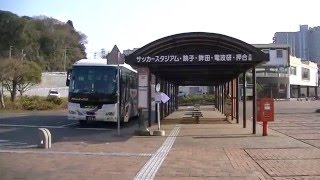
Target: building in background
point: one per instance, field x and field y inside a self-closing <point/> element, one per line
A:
<point x="194" y="90"/>
<point x="273" y="77"/>
<point x="285" y="76"/>
<point x="303" y="78"/>
<point x="304" y="44"/>
<point x="115" y="56"/>
<point x="129" y="51"/>
<point x="314" y="44"/>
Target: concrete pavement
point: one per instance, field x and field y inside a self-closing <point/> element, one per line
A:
<point x="213" y="149"/>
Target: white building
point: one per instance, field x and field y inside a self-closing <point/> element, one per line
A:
<point x="303" y="78"/>
<point x="194" y="90"/>
<point x="285" y="76"/>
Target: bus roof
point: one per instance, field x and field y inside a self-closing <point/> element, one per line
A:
<point x="100" y="62"/>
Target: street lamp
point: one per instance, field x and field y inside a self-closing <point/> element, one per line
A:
<point x="10" y="49"/>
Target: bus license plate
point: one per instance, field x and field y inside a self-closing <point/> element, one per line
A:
<point x="90" y="118"/>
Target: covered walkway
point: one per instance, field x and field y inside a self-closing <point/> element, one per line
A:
<point x="196" y="59"/>
<point x="210" y="116"/>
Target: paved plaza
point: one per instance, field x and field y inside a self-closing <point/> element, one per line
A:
<point x="213" y="149"/>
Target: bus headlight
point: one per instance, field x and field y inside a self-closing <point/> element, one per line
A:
<point x="72" y="112"/>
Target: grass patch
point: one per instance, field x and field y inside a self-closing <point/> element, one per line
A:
<point x="32" y="103"/>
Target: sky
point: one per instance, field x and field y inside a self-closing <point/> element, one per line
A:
<point x="134" y="23"/>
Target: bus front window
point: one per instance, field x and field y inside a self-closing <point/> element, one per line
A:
<point x="93" y="80"/>
<point x="105" y="84"/>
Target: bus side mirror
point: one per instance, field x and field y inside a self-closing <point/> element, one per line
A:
<point x="68" y="77"/>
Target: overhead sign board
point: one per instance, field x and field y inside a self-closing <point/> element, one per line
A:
<point x="194" y="58"/>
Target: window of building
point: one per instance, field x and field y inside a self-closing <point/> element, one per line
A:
<point x="279" y="53"/>
<point x="293" y="70"/>
<point x="305" y="74"/>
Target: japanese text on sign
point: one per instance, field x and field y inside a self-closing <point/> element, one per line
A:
<point x="195" y="58"/>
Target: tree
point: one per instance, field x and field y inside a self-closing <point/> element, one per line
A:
<point x="248" y="78"/>
<point x="70" y="23"/>
<point x="42" y="39"/>
<point x="103" y="53"/>
<point x="20" y="75"/>
<point x="11" y="27"/>
<point x="31" y="77"/>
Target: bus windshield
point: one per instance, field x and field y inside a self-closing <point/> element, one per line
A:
<point x="93" y="79"/>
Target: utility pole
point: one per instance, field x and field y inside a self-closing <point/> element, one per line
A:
<point x="22" y="54"/>
<point x="118" y="94"/>
<point x="10" y="49"/>
<point x="65" y="59"/>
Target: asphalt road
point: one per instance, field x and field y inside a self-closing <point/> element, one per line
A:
<point x="21" y="130"/>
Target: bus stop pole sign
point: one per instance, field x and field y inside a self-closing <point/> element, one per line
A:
<point x="158" y="101"/>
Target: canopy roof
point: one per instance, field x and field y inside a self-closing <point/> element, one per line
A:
<point x="197" y="58"/>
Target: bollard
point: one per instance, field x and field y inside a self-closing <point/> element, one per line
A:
<point x="44" y="138"/>
<point x="265" y="128"/>
<point x="49" y="137"/>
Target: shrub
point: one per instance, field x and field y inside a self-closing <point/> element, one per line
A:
<point x="64" y="103"/>
<point x="35" y="103"/>
<point x="11" y="105"/>
<point x="55" y="100"/>
<point x="197" y="99"/>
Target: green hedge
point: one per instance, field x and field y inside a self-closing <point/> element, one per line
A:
<point x="196" y="99"/>
<point x="36" y="103"/>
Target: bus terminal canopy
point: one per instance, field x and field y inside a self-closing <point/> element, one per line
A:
<point x="197" y="58"/>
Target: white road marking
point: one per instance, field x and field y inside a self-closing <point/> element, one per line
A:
<point x="98" y="129"/>
<point x="150" y="169"/>
<point x="28" y="126"/>
<point x="69" y="124"/>
<point x="13" y="116"/>
<point x="74" y="153"/>
<point x="11" y="144"/>
<point x="53" y="127"/>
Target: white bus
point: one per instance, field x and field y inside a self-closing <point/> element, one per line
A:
<point x="93" y="90"/>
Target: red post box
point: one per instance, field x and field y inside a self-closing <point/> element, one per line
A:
<point x="265" y="112"/>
